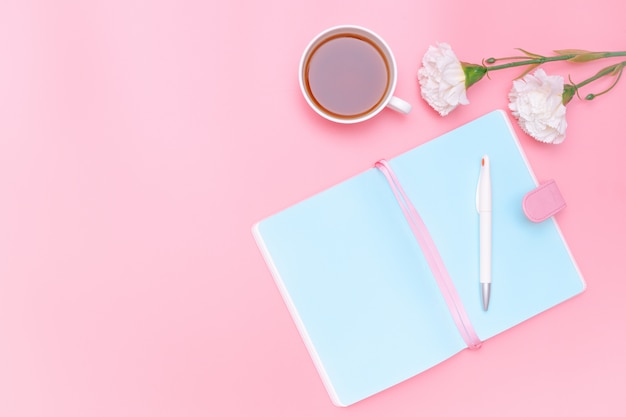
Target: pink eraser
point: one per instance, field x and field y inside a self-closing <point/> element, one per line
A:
<point x="543" y="202"/>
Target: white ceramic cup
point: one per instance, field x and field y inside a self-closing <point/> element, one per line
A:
<point x="387" y="100"/>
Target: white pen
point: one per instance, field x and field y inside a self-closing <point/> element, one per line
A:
<point x="483" y="205"/>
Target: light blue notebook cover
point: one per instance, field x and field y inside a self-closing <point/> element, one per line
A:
<point x="357" y="283"/>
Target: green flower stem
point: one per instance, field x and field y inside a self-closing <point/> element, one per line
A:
<point x="475" y="72"/>
<point x="537" y="61"/>
<point x="608" y="70"/>
<point x="570" y="90"/>
<point x="615" y="70"/>
<point x="583" y="57"/>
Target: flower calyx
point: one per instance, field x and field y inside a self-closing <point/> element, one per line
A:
<point x="473" y="73"/>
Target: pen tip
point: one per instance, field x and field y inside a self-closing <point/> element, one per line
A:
<point x="486" y="287"/>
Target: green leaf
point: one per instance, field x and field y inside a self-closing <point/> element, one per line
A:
<point x="619" y="68"/>
<point x="586" y="57"/>
<point x="530" y="54"/>
<point x="571" y="52"/>
<point x="527" y="70"/>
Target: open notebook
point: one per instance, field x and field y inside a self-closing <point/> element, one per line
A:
<point x="359" y="288"/>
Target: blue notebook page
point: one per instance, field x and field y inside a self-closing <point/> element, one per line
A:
<point x="357" y="283"/>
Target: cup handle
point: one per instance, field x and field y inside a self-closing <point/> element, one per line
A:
<point x="399" y="105"/>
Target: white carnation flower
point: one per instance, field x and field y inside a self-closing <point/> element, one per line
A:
<point x="442" y="79"/>
<point x="537" y="102"/>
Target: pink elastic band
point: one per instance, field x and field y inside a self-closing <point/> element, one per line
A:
<point x="433" y="259"/>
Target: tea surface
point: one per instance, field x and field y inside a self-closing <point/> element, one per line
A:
<point x="347" y="76"/>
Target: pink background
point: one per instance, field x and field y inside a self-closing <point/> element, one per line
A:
<point x="139" y="142"/>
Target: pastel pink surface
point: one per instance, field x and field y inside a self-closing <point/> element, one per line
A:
<point x="141" y="140"/>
